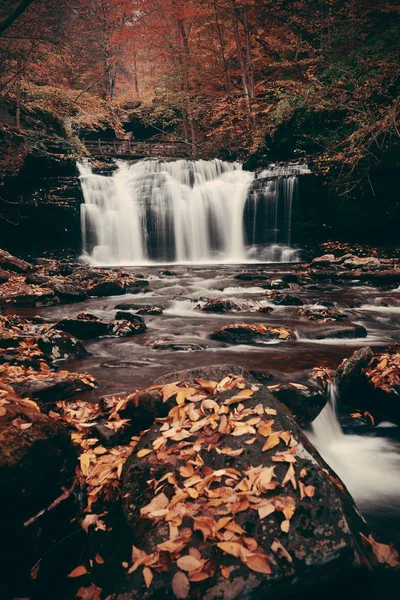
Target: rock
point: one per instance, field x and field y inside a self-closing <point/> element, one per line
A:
<point x="252" y="276"/>
<point x="287" y="300"/>
<point x="140" y="309"/>
<point x="125" y="328"/>
<point x="178" y="346"/>
<point x="135" y="287"/>
<point x="275" y="284"/>
<point x="153" y="310"/>
<point x="350" y="379"/>
<point x="324" y="260"/>
<point x="37" y="279"/>
<point x="168" y="273"/>
<point x="50" y="390"/>
<point x="60" y="345"/>
<point x="68" y="292"/>
<point x="383" y="377"/>
<point x="261" y="376"/>
<point x="4" y="276"/>
<point x="12" y="263"/>
<point x="336" y="331"/>
<point x="84" y="326"/>
<point x="356" y="262"/>
<point x="328" y="314"/>
<point x="112" y="287"/>
<point x="214" y="373"/>
<point x="207" y="473"/>
<point x="248" y="333"/>
<point x="220" y="305"/>
<point x="304" y="401"/>
<point x="135" y="319"/>
<point x="27" y="296"/>
<point x="37" y="458"/>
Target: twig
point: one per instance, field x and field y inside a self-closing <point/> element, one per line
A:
<point x="56" y="502"/>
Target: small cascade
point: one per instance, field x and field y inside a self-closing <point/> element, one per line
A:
<point x="367" y="464"/>
<point x="187" y="211"/>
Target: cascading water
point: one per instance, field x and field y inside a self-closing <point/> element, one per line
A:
<point x="368" y="465"/>
<point x="187" y="211"/>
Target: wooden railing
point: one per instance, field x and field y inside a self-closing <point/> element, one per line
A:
<point x="132" y="149"/>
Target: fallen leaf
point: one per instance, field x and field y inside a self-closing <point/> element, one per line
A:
<point x="78" y="571"/>
<point x="147" y="576"/>
<point x="189" y="563"/>
<point x="180" y="585"/>
<point x="258" y="563"/>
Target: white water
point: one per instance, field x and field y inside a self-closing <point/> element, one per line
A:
<point x="185" y="212"/>
<point x="368" y="465"/>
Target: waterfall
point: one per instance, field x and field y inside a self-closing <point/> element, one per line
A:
<point x="187" y="211"/>
<point x="367" y="464"/>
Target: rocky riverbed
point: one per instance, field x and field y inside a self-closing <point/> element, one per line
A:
<point x="120" y="481"/>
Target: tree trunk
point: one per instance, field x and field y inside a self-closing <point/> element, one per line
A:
<point x="186" y="83"/>
<point x="222" y="47"/>
<point x="246" y="93"/>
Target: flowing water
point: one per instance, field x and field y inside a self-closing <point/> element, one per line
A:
<point x="187" y="211"/>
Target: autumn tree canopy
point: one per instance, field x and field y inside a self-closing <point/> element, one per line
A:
<point x="295" y="77"/>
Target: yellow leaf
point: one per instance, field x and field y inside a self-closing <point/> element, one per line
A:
<point x="147" y="576"/>
<point x="180" y="585"/>
<point x="258" y="563"/>
<point x="143" y="452"/>
<point x="189" y="563"/>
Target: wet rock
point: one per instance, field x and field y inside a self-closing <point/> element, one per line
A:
<point x="9" y="262"/>
<point x="248" y="333"/>
<point x="178" y="346"/>
<point x="336" y="331"/>
<point x="140" y="309"/>
<point x="68" y="292"/>
<point x="324" y="543"/>
<point x="135" y="319"/>
<point x="84" y="326"/>
<point x="350" y="378"/>
<point x="167" y="273"/>
<point x="287" y="300"/>
<point x="112" y="287"/>
<point x="355" y="262"/>
<point x="252" y="276"/>
<point x="383" y="377"/>
<point x="136" y="287"/>
<point x="327" y="314"/>
<point x="60" y="345"/>
<point x="4" y="276"/>
<point x="292" y="278"/>
<point x="125" y="328"/>
<point x="153" y="310"/>
<point x="219" y="305"/>
<point x="304" y="401"/>
<point x="275" y="284"/>
<point x="23" y="295"/>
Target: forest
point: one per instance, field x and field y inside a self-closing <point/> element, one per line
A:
<point x="315" y="80"/>
<point x="199" y="299"/>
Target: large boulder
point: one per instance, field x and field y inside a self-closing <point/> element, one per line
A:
<point x="252" y="333"/>
<point x="12" y="263"/>
<point x="227" y="499"/>
<point x="37" y="465"/>
<point x="356" y="262"/>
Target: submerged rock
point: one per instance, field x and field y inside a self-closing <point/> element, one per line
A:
<point x="252" y="333"/>
<point x="336" y="331"/>
<point x="227" y="499"/>
<point x="178" y="346"/>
